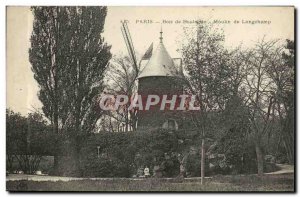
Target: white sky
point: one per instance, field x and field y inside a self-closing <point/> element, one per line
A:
<point x="22" y="88"/>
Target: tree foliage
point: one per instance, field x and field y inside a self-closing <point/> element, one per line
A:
<point x="121" y="77"/>
<point x="28" y="139"/>
<point x="68" y="57"/>
<point x="208" y="77"/>
<point x="241" y="91"/>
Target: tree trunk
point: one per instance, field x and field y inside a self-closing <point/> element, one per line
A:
<point x="10" y="160"/>
<point x="56" y="163"/>
<point x="76" y="157"/>
<point x="260" y="160"/>
<point x="202" y="161"/>
<point x="56" y="133"/>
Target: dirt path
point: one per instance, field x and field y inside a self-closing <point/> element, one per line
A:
<point x="19" y="177"/>
<point x="284" y="169"/>
<point x="27" y="177"/>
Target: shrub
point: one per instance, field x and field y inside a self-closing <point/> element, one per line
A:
<point x="115" y="158"/>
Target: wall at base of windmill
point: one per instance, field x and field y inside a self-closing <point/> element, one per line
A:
<point x="154" y="117"/>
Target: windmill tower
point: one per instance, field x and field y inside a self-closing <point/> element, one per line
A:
<point x="159" y="76"/>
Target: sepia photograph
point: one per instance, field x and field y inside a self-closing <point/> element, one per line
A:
<point x="150" y="99"/>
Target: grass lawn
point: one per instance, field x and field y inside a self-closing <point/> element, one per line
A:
<point x="281" y="182"/>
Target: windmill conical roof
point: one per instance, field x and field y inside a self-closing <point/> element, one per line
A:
<point x="160" y="64"/>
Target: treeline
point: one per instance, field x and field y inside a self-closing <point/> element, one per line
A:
<point x="124" y="154"/>
<point x="251" y="87"/>
<point x="27" y="140"/>
<point x="245" y="94"/>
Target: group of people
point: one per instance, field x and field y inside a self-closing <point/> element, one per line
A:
<point x="171" y="165"/>
<point x="143" y="172"/>
<point x="146" y="172"/>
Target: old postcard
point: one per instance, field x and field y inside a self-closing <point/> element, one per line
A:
<point x="192" y="99"/>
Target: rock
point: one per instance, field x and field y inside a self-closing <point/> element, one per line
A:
<point x="38" y="172"/>
<point x="269" y="158"/>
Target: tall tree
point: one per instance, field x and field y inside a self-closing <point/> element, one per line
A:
<point x="68" y="57"/>
<point x="258" y="96"/>
<point x="44" y="58"/>
<point x="208" y="77"/>
<point x="89" y="59"/>
<point x="281" y="72"/>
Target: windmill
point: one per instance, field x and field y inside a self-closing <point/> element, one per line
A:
<point x="130" y="48"/>
<point x="158" y="76"/>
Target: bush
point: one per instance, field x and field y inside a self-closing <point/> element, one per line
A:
<point x="115" y="158"/>
<point x="122" y="154"/>
<point x="160" y="148"/>
<point x="193" y="165"/>
<point x="239" y="153"/>
<point x="112" y="167"/>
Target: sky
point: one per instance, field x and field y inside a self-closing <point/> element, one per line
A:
<point x="144" y="24"/>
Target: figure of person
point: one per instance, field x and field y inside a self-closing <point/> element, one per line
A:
<point x="140" y="172"/>
<point x="146" y="172"/>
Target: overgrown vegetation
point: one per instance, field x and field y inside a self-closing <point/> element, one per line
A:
<point x="28" y="139"/>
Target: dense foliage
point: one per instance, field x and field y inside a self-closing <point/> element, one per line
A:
<point x="68" y="57"/>
<point x="28" y="139"/>
<point x="123" y="154"/>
